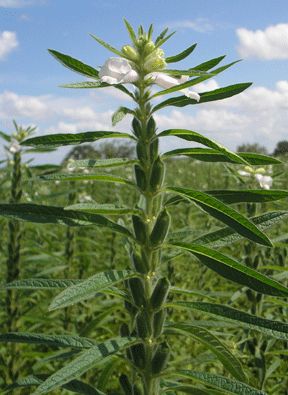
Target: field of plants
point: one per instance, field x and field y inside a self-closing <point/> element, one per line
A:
<point x="129" y="271"/>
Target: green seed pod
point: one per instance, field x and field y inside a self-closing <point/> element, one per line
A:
<point x="154" y="149"/>
<point x="137" y="390"/>
<point x="160" y="229"/>
<point x="151" y="127"/>
<point x="124" y="330"/>
<point x="158" y="321"/>
<point x="160" y="293"/>
<point x="125" y="384"/>
<point x="136" y="126"/>
<point x="141" y="151"/>
<point x="137" y="291"/>
<point x="139" y="229"/>
<point x="157" y="174"/>
<point x="138" y="355"/>
<point x="140" y="264"/>
<point x="142" y="325"/>
<point x="140" y="177"/>
<point x="160" y="359"/>
<point x="130" y="308"/>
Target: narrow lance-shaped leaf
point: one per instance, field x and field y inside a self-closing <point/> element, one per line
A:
<point x="40" y="283"/>
<point x="234" y="271"/>
<point x="107" y="209"/>
<point x="86" y="360"/>
<point x="248" y="195"/>
<point x="221" y="382"/>
<point x="217" y="94"/>
<point x="94" y="163"/>
<point x="95" y="85"/>
<point x="229" y="361"/>
<point x="120" y="114"/>
<point x="107" y="46"/>
<point x="75" y="64"/>
<point x="88" y="288"/>
<point x="57" y="215"/>
<point x="190" y="135"/>
<point x="224" y="213"/>
<point x="180" y="56"/>
<point x="48" y="340"/>
<point x="212" y="155"/>
<point x="84" y="177"/>
<point x="5" y="136"/>
<point x="276" y="329"/>
<point x="226" y="236"/>
<point x="57" y="140"/>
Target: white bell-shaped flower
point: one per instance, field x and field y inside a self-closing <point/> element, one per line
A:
<point x="14" y="147"/>
<point x="117" y="71"/>
<point x="265" y="182"/>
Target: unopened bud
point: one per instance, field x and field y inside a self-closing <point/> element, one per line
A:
<point x="130" y="52"/>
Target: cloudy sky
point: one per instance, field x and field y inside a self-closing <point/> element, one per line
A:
<point x="255" y="31"/>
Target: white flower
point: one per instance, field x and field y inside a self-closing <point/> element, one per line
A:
<point x="265" y="182"/>
<point x="14" y="147"/>
<point x="244" y="173"/>
<point x="117" y="71"/>
<point x="166" y="82"/>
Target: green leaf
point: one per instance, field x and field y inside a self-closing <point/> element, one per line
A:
<point x="120" y="114"/>
<point x="190" y="135"/>
<point x="217" y="94"/>
<point x="107" y="209"/>
<point x="212" y="155"/>
<point x="248" y="195"/>
<point x="85" y="361"/>
<point x="234" y="271"/>
<point x="225" y="214"/>
<point x="48" y="340"/>
<point x="276" y="329"/>
<point x="194" y="81"/>
<point x="40" y="283"/>
<point x="180" y="56"/>
<point x="221" y="382"/>
<point x="188" y="389"/>
<point x="75" y="64"/>
<point x="226" y="236"/>
<point x="130" y="31"/>
<point x="229" y="361"/>
<point x="88" y="288"/>
<point x="84" y="177"/>
<point x="57" y="215"/>
<point x="209" y="64"/>
<point x="111" y="162"/>
<point x="74" y="385"/>
<point x="84" y="85"/>
<point x="107" y="46"/>
<point x="57" y="140"/>
<point x="5" y="136"/>
<point x="163" y="40"/>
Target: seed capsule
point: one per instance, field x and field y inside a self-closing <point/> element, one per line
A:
<point x="125" y="384"/>
<point x="136" y="126"/>
<point x="158" y="321"/>
<point x="157" y="174"/>
<point x="140" y="177"/>
<point x="160" y="359"/>
<point x="138" y="355"/>
<point x="151" y="127"/>
<point x="142" y="325"/>
<point x="154" y="149"/>
<point x="160" y="293"/>
<point x="137" y="291"/>
<point x="140" y="264"/>
<point x="124" y="330"/>
<point x="139" y="229"/>
<point x="160" y="229"/>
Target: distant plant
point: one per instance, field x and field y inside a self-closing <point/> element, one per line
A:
<point x="144" y="344"/>
<point x="260" y="149"/>
<point x="281" y="148"/>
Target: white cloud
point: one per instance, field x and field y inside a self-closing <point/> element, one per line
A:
<point x="8" y="42"/>
<point x="271" y="43"/>
<point x="18" y="3"/>
<point x="200" y="25"/>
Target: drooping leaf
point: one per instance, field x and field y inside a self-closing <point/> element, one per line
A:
<point x="234" y="271"/>
<point x="180" y="56"/>
<point x="57" y="215"/>
<point x="75" y="64"/>
<point x="120" y="114"/>
<point x="248" y="195"/>
<point x="224" y="213"/>
<point x="217" y="94"/>
<point x="276" y="329"/>
<point x="190" y="135"/>
<point x="107" y="209"/>
<point x="229" y="361"/>
<point x="226" y="236"/>
<point x="88" y="288"/>
<point x="107" y="46"/>
<point x="93" y="163"/>
<point x="40" y="283"/>
<point x="220" y="382"/>
<point x="85" y="361"/>
<point x="57" y="140"/>
<point x="48" y="340"/>
<point x="212" y="155"/>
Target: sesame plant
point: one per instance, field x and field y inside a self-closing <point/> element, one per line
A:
<point x="144" y="345"/>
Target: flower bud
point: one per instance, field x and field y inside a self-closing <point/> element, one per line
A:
<point x="149" y="47"/>
<point x="155" y="61"/>
<point x="130" y="52"/>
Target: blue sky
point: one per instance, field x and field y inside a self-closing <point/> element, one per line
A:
<point x="256" y="31"/>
